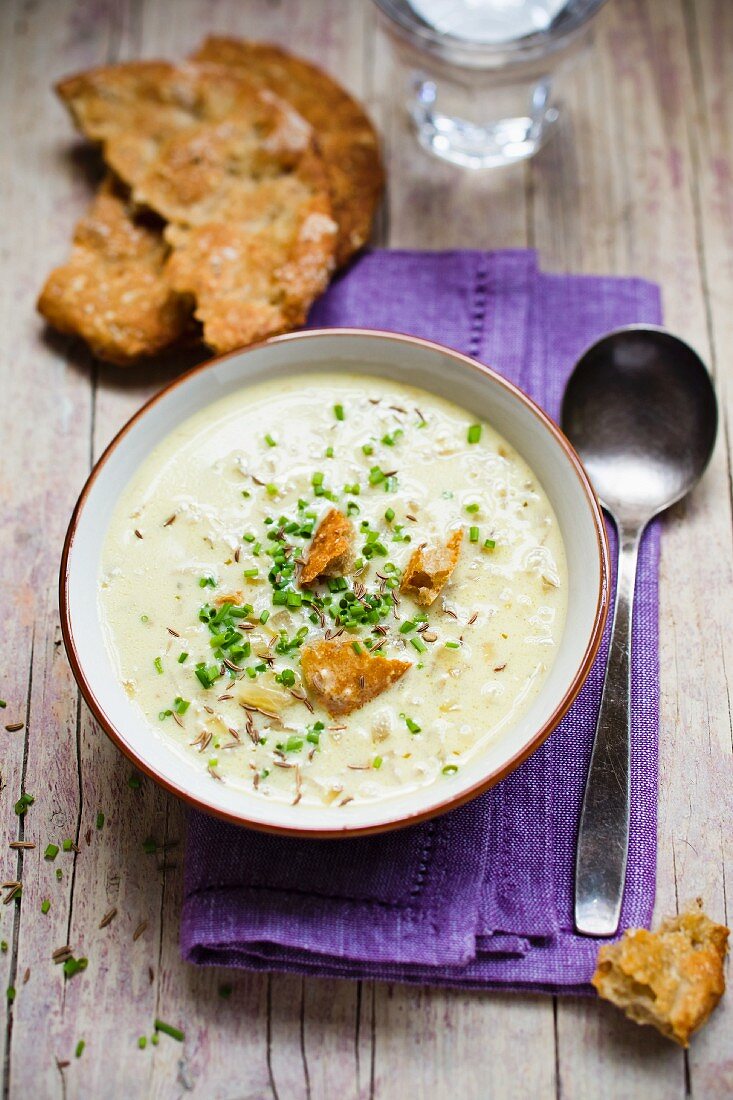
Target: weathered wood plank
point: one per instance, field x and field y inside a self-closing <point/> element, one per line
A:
<point x="638" y="172"/>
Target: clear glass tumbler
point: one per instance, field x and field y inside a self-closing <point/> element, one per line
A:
<point x="484" y="76"/>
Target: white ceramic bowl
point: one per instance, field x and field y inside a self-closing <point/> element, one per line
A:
<point x="389" y="356"/>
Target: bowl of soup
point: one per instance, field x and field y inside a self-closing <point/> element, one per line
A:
<point x="335" y="583"/>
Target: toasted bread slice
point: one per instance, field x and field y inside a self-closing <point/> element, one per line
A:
<point x="429" y="569"/>
<point x="346" y="138"/>
<point x="236" y="173"/>
<point x="342" y="679"/>
<point x="330" y="548"/>
<point x="114" y="291"/>
<point x="671" y="979"/>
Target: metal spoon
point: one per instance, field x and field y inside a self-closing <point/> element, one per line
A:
<point x="641" y="411"/>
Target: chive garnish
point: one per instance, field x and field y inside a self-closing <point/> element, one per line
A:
<point x="74" y="966"/>
<point x="80" y="1048"/>
<point x="264" y="616"/>
<point x="389" y="515"/>
<point x="100" y="819"/>
<point x="67" y="844"/>
<point x="377" y="762"/>
<point x="329" y="452"/>
<point x="489" y="544"/>
<point x="338" y="412"/>
<point x="168" y="1029"/>
<point x="418" y="643"/>
<point x="472" y="507"/>
<point x="474" y="433"/>
<point x="473" y="534"/>
<point x="407" y="626"/>
<point x="158" y="666"/>
<point x="150" y="846"/>
<point x="450" y="769"/>
<point x="183" y="657"/>
<point x="142" y="1042"/>
<point x="452" y="645"/>
<point x="45" y="905"/>
<point x="59" y="874"/>
<point x="356" y="648"/>
<point x="251" y="572"/>
<point x="270" y="441"/>
<point x="21" y="806"/>
<point x="367" y="449"/>
<point x="3" y="704"/>
<point x="412" y="726"/>
<point x="11" y="994"/>
<point x="52" y="850"/>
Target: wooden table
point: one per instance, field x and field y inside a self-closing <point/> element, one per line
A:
<point x="637" y="181"/>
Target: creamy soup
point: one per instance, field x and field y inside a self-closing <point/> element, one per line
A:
<point x="433" y="617"/>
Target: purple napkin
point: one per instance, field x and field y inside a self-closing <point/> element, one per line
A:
<point x="481" y="897"/>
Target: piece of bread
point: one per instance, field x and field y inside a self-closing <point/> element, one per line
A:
<point x="672" y="978"/>
<point x="429" y="569"/>
<point x="330" y="548"/>
<point x="346" y="138"/>
<point x="341" y="678"/>
<point x="236" y="174"/>
<point x="113" y="291"/>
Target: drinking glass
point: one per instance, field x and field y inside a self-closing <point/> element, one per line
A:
<point x="485" y="77"/>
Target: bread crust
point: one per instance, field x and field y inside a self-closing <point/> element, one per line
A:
<point x="330" y="548"/>
<point x="343" y="680"/>
<point x="672" y="978"/>
<point x="430" y="568"/>
<point x="113" y="290"/>
<point x="346" y="137"/>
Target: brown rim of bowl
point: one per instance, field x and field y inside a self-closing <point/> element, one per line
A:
<point x="450" y="803"/>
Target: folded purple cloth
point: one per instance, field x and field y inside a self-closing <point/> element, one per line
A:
<point x="481" y="897"/>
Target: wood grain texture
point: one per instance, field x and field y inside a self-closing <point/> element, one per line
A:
<point x="638" y="180"/>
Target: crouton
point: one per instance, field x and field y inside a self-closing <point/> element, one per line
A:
<point x="343" y="679"/>
<point x="429" y="569"/>
<point x="330" y="549"/>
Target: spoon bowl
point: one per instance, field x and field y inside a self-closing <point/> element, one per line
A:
<point x="641" y="411"/>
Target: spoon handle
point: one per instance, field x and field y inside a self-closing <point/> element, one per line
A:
<point x="603" y="838"/>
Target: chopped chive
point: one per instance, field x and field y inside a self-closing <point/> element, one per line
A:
<point x="67" y="844"/>
<point x="377" y="762"/>
<point x="389" y="515"/>
<point x="270" y="441"/>
<point x="473" y="534"/>
<point x="52" y="850"/>
<point x="474" y="433"/>
<point x="246" y="493"/>
<point x="489" y="544"/>
<point x="181" y="705"/>
<point x="251" y="572"/>
<point x="144" y="619"/>
<point x="271" y="489"/>
<point x="168" y="1029"/>
<point x="407" y="626"/>
<point x="154" y="1040"/>
<point x="367" y="449"/>
<point x="21" y="806"/>
<point x="158" y="666"/>
<point x="59" y="874"/>
<point x="412" y="726"/>
<point x="472" y="507"/>
<point x="142" y="1042"/>
<point x="450" y="769"/>
<point x="3" y="704"/>
<point x="213" y="761"/>
<point x="3" y="946"/>
<point x="150" y="846"/>
<point x="338" y="412"/>
<point x="74" y="966"/>
<point x="317" y="479"/>
<point x="264" y="616"/>
<point x="452" y="645"/>
<point x="356" y="648"/>
<point x="100" y="819"/>
<point x="80" y="1048"/>
<point x="418" y="643"/>
<point x="329" y="452"/>
<point x="45" y="905"/>
<point x="11" y="994"/>
<point x="207" y="582"/>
